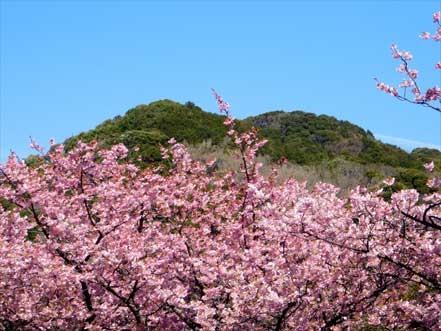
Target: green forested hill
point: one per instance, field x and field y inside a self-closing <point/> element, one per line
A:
<point x="303" y="138"/>
<point x="147" y="126"/>
<point x="306" y="138"/>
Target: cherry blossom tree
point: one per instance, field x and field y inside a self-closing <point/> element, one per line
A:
<point x="91" y="242"/>
<point x="416" y="250"/>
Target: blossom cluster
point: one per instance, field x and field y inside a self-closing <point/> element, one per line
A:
<point x="432" y="96"/>
<point x="89" y="242"/>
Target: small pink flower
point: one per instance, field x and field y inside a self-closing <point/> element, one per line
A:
<point x="413" y="73"/>
<point x="401" y="68"/>
<point x="34" y="145"/>
<point x="429" y="166"/>
<point x="229" y="120"/>
<point x="211" y="162"/>
<point x="378" y="192"/>
<point x="172" y="141"/>
<point x="388" y="89"/>
<point x="425" y="35"/>
<point x="222" y="105"/>
<point x="407" y="83"/>
<point x="434" y="182"/>
<point x="416" y="91"/>
<point x="438" y="66"/>
<point x="407" y="55"/>
<point x="389" y="181"/>
<point x="433" y="93"/>
<point x="436" y="17"/>
<point x="436" y="37"/>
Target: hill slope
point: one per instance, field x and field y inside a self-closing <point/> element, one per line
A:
<point x="303" y="138"/>
<point x="306" y="138"/>
<point x="147" y="126"/>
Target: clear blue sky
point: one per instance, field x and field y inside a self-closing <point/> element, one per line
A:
<point x="68" y="65"/>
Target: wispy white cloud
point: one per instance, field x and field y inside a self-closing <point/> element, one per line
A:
<point x="407" y="144"/>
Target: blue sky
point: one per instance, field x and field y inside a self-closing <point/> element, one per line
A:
<point x="68" y="65"/>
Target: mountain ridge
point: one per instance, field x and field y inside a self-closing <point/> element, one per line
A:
<point x="305" y="139"/>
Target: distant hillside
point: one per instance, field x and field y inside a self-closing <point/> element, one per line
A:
<point x="305" y="139"/>
<point x="147" y="126"/>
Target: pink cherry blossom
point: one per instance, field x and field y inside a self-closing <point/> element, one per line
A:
<point x="34" y="145"/>
<point x="429" y="166"/>
<point x="433" y="93"/>
<point x="425" y="35"/>
<point x="211" y="162"/>
<point x="413" y="74"/>
<point x="432" y="96"/>
<point x="407" y="83"/>
<point x="389" y="181"/>
<point x="406" y="55"/>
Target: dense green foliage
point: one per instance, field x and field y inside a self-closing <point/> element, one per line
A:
<point x="148" y="126"/>
<point x="303" y="138"/>
<point x="306" y="139"/>
<point x="427" y="154"/>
